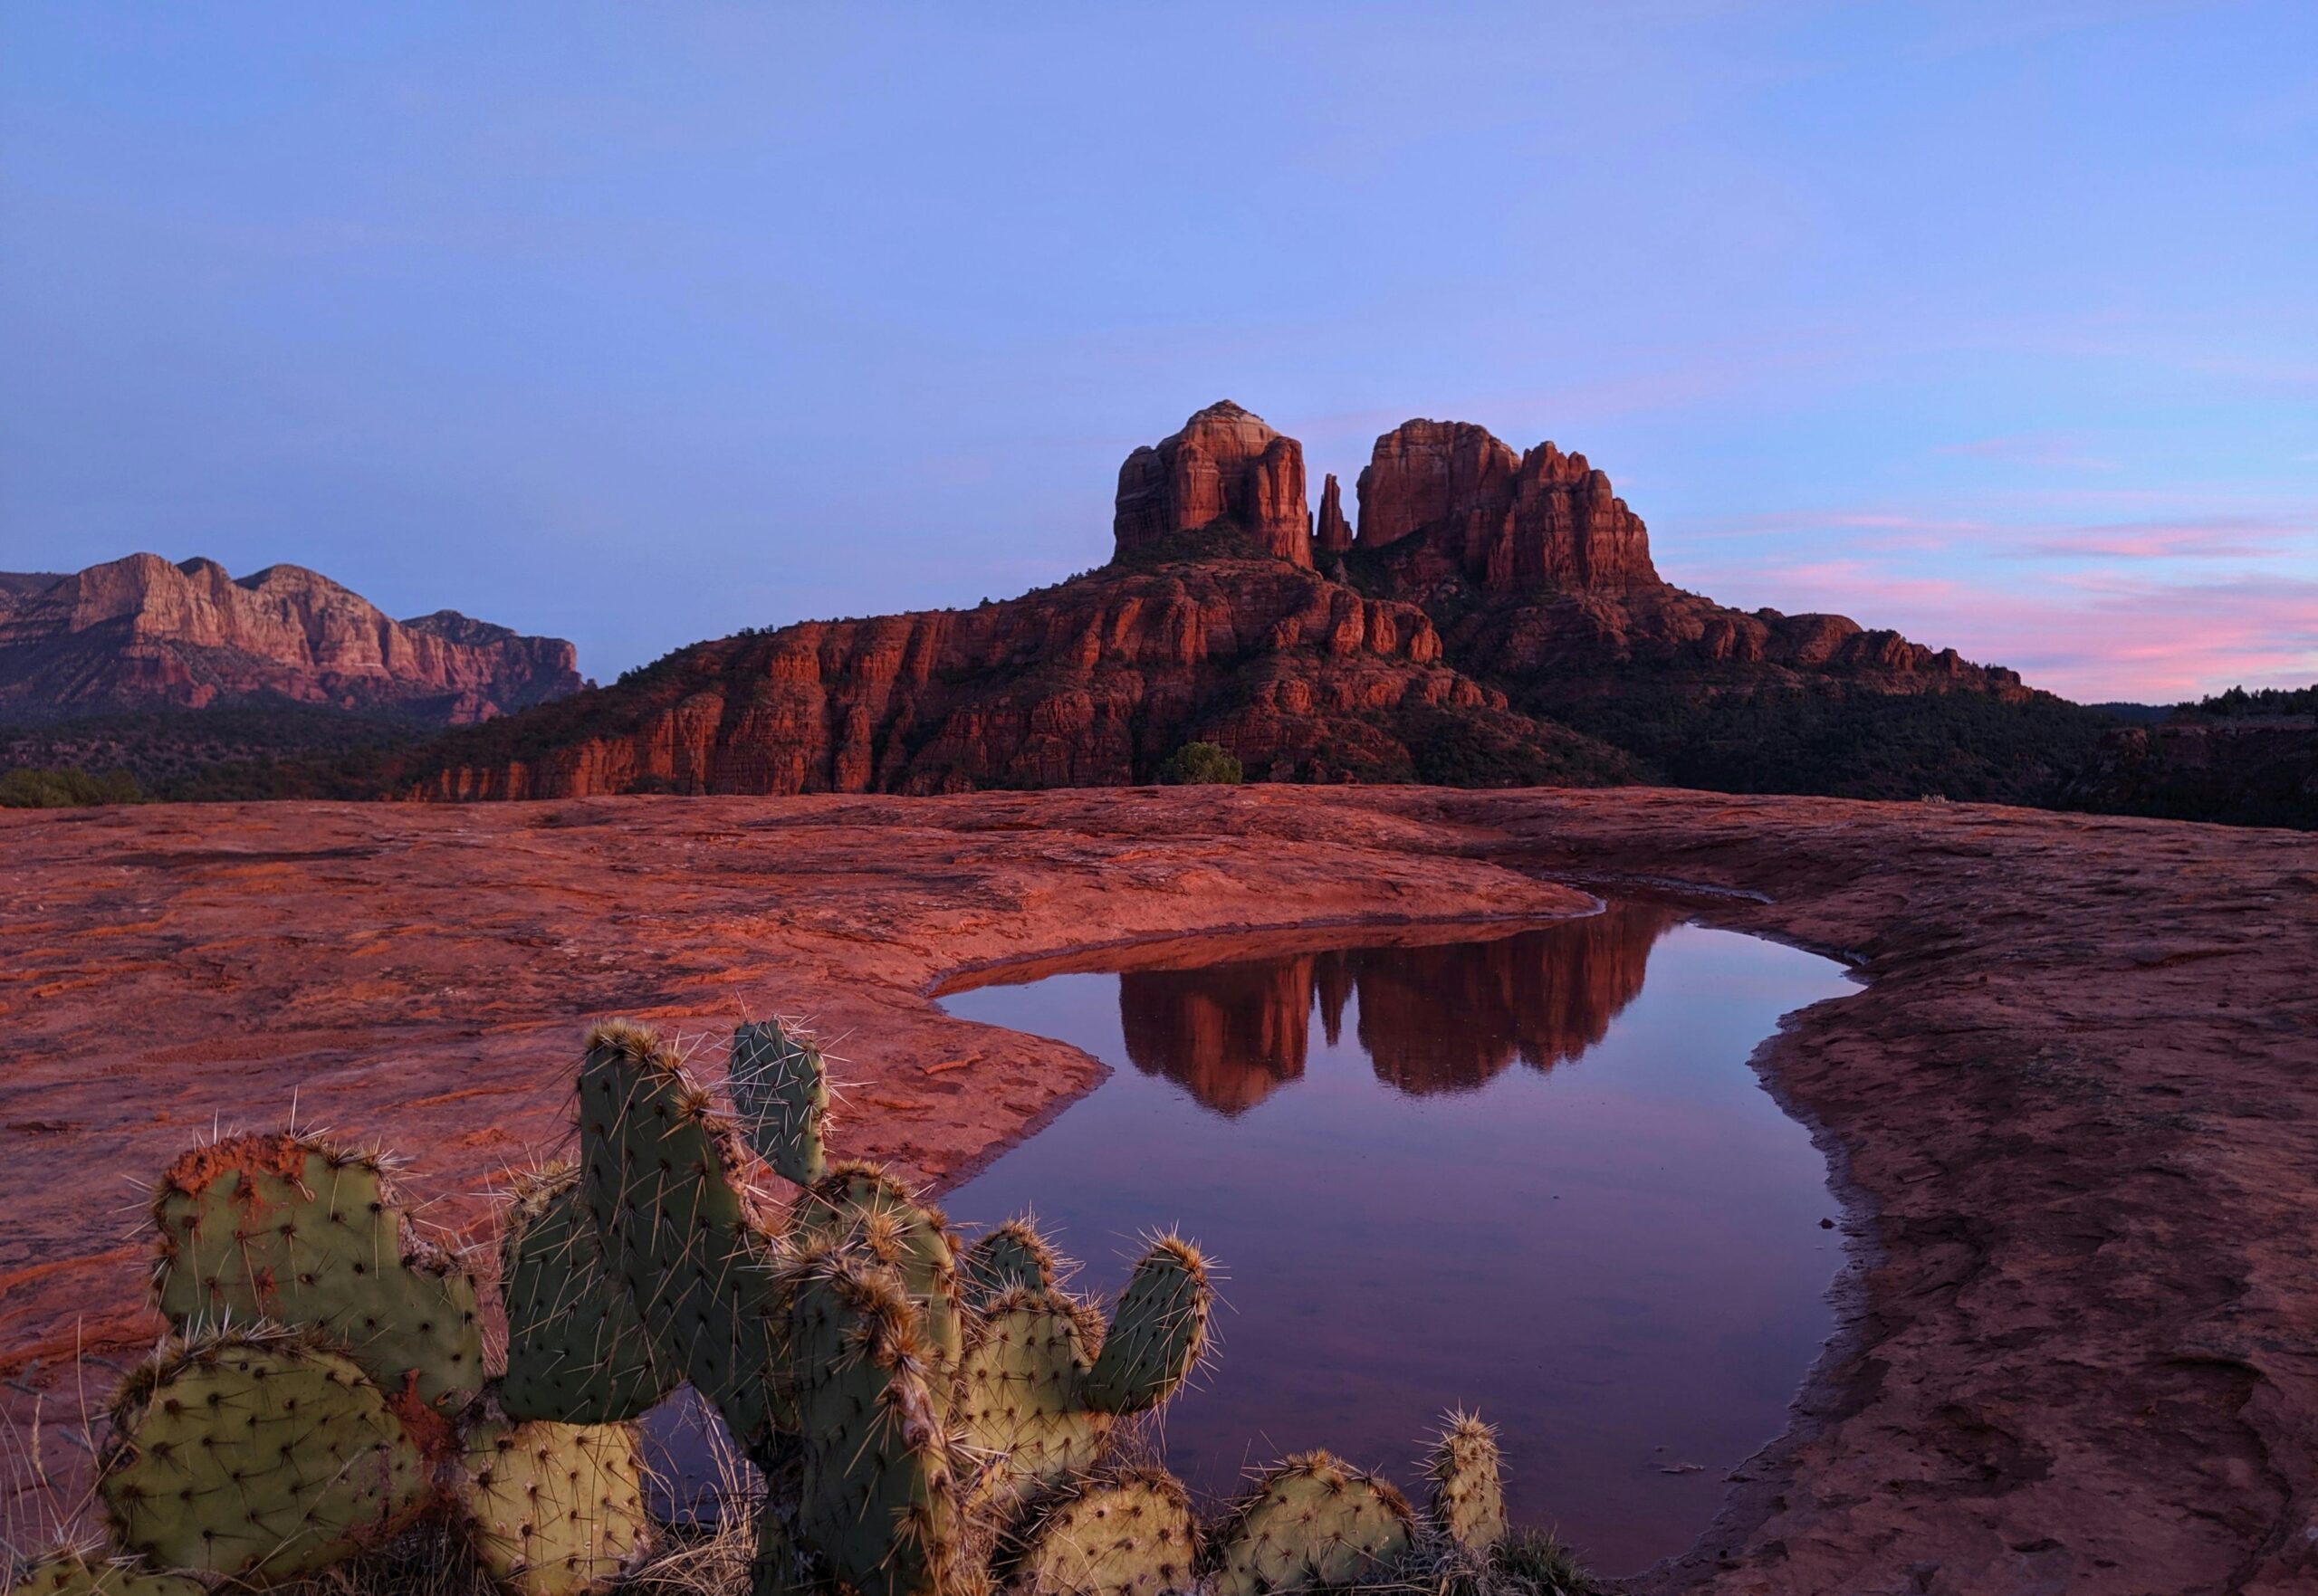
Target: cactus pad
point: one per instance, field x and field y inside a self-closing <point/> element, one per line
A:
<point x="861" y="1206"/>
<point x="1468" y="1500"/>
<point x="82" y="1574"/>
<point x="878" y="1503"/>
<point x="1314" y="1521"/>
<point x="1021" y="1389"/>
<point x="292" y="1229"/>
<point x="656" y="1173"/>
<point x="1134" y="1535"/>
<point x="778" y="1569"/>
<point x="1158" y="1332"/>
<point x="578" y="1353"/>
<point x="780" y="1094"/>
<point x="256" y="1455"/>
<point x="1013" y="1254"/>
<point x="555" y="1509"/>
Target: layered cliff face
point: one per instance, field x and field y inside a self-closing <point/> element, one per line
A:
<point x="140" y="634"/>
<point x="1088" y="684"/>
<point x="1224" y="467"/>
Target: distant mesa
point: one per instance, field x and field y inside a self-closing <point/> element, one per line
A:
<point x="142" y="633"/>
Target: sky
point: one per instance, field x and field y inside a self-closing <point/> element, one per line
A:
<point x="637" y="325"/>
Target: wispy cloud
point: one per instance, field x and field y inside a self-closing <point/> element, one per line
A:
<point x="2053" y="451"/>
<point x="2221" y="537"/>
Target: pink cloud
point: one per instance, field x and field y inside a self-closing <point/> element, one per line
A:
<point x="2219" y="537"/>
<point x="2087" y="636"/>
<point x="2057" y="451"/>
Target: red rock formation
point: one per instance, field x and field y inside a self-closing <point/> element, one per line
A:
<point x="1332" y="533"/>
<point x="140" y="632"/>
<point x="1089" y="684"/>
<point x="1224" y="465"/>
<point x="1545" y="521"/>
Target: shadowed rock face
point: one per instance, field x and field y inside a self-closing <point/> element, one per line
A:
<point x="1225" y="465"/>
<point x="140" y="632"/>
<point x="1443" y="1019"/>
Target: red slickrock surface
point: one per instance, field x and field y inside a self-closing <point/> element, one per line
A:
<point x="2073" y="1111"/>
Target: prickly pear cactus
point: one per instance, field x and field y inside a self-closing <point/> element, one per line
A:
<point x="1313" y="1520"/>
<point x="1013" y="1254"/>
<point x="878" y="1503"/>
<point x="1468" y="1499"/>
<point x="778" y="1569"/>
<point x="860" y="1205"/>
<point x="257" y="1455"/>
<point x="93" y="1573"/>
<point x="292" y="1229"/>
<point x="780" y="1093"/>
<point x="1133" y="1535"/>
<point x="1157" y="1334"/>
<point x="578" y="1353"/>
<point x="555" y="1509"/>
<point x="656" y="1173"/>
<point x="1020" y="1389"/>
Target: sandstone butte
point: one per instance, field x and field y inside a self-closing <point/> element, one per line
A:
<point x="1426" y="645"/>
<point x="140" y="632"/>
<point x="2069" y="1111"/>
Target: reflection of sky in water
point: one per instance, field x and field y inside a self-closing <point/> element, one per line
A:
<point x="1617" y="1257"/>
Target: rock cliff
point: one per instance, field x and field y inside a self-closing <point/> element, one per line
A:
<point x="140" y="632"/>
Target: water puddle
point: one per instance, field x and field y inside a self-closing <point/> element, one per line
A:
<point x="1530" y="1172"/>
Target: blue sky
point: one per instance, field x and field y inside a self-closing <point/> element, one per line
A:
<point x="639" y="324"/>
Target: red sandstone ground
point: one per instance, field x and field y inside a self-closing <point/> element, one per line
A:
<point x="2073" y="1111"/>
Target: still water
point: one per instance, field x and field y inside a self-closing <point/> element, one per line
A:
<point x="1527" y="1172"/>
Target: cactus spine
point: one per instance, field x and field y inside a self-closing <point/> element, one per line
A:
<point x="1158" y="1332"/>
<point x="1468" y="1498"/>
<point x="83" y="1573"/>
<point x="292" y="1229"/>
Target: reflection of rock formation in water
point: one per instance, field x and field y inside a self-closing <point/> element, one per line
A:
<point x="1449" y="1019"/>
<point x="1443" y="1019"/>
<point x="1229" y="1033"/>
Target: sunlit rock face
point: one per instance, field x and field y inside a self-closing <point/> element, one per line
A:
<point x="140" y="632"/>
<point x="1224" y="467"/>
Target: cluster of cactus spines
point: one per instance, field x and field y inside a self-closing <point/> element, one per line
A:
<point x="1468" y="1496"/>
<point x="555" y="1508"/>
<point x="933" y="1421"/>
<point x="1313" y="1520"/>
<point x="780" y="1094"/>
<point x="678" y="1230"/>
<point x="1134" y="1534"/>
<point x="578" y="1351"/>
<point x="1013" y="1254"/>
<point x="95" y="1574"/>
<point x="1158" y="1332"/>
<point x="1022" y="1388"/>
<point x="292" y="1229"/>
<point x="861" y="1207"/>
<point x="878" y="1502"/>
<point x="258" y="1455"/>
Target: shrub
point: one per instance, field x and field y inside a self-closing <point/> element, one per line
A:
<point x="1201" y="764"/>
<point x="66" y="788"/>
